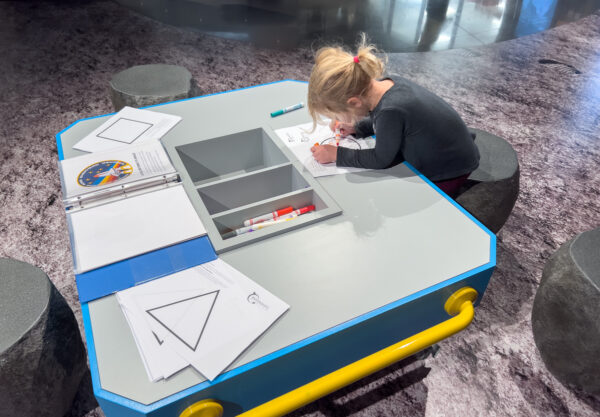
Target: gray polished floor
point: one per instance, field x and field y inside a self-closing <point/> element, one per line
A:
<point x="395" y="25"/>
<point x="540" y="92"/>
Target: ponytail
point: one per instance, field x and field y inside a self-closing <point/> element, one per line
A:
<point x="367" y="60"/>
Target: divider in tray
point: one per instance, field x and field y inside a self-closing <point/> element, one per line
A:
<point x="251" y="188"/>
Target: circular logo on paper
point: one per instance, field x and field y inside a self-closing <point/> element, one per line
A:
<point x="104" y="172"/>
<point x="255" y="299"/>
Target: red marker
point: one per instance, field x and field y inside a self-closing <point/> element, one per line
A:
<point x="296" y="213"/>
<point x="269" y="216"/>
<point x="304" y="210"/>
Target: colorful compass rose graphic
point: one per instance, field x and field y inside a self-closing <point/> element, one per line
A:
<point x="104" y="172"/>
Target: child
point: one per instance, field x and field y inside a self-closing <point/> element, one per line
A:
<point x="411" y="123"/>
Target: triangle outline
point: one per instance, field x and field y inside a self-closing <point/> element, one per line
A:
<point x="149" y="311"/>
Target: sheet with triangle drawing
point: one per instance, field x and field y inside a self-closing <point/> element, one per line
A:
<point x="204" y="316"/>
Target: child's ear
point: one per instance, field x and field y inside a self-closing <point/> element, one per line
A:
<point x="354" y="102"/>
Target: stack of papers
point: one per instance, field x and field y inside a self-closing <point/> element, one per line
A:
<point x="204" y="316"/>
<point x="127" y="127"/>
<point x="299" y="139"/>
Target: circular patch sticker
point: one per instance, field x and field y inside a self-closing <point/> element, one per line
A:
<point x="104" y="172"/>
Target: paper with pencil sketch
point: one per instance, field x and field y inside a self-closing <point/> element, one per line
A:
<point x="204" y="316"/>
<point x="299" y="139"/>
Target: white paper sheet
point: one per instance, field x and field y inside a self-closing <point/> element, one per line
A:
<point x="126" y="127"/>
<point x="299" y="140"/>
<point x="114" y="168"/>
<point x="207" y="315"/>
<point x="128" y="227"/>
<point x="159" y="360"/>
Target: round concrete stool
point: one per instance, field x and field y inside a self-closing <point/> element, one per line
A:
<point x="145" y="85"/>
<point x="491" y="191"/>
<point x="566" y="312"/>
<point x="42" y="357"/>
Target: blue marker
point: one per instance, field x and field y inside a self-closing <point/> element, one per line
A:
<point x="287" y="109"/>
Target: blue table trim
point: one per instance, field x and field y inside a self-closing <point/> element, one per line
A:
<point x="455" y="204"/>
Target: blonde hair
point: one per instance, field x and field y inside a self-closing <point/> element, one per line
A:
<point x="337" y="76"/>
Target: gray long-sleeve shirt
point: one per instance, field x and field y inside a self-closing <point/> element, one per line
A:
<point x="413" y="124"/>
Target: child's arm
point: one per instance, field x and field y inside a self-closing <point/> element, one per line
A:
<point x="364" y="128"/>
<point x="388" y="146"/>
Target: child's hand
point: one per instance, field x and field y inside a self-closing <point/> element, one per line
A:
<point x="345" y="128"/>
<point x="324" y="154"/>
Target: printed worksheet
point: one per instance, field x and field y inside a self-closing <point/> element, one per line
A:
<point x="204" y="316"/>
<point x="99" y="171"/>
<point x="299" y="139"/>
<point x="128" y="126"/>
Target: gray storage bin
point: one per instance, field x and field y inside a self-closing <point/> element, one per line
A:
<point x="237" y="176"/>
<point x="229" y="155"/>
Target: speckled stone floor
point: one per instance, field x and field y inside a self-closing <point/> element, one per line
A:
<point x="55" y="67"/>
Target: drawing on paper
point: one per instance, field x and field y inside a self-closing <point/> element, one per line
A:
<point x="300" y="136"/>
<point x="182" y="318"/>
<point x="104" y="172"/>
<point x="347" y="142"/>
<point x="125" y="130"/>
<point x="160" y="342"/>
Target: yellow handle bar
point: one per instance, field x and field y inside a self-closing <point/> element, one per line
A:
<point x="459" y="305"/>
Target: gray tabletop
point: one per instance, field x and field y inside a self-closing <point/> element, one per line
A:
<point x="396" y="236"/>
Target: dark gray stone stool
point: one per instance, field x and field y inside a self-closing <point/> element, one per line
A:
<point x="145" y="85"/>
<point x="566" y="313"/>
<point x="491" y="191"/>
<point x="42" y="357"/>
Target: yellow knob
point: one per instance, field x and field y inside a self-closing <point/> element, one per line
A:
<point x="456" y="300"/>
<point x="204" y="408"/>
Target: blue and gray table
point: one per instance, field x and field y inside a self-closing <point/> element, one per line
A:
<point x="375" y="264"/>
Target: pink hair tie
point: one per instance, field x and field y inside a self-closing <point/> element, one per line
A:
<point x="356" y="59"/>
